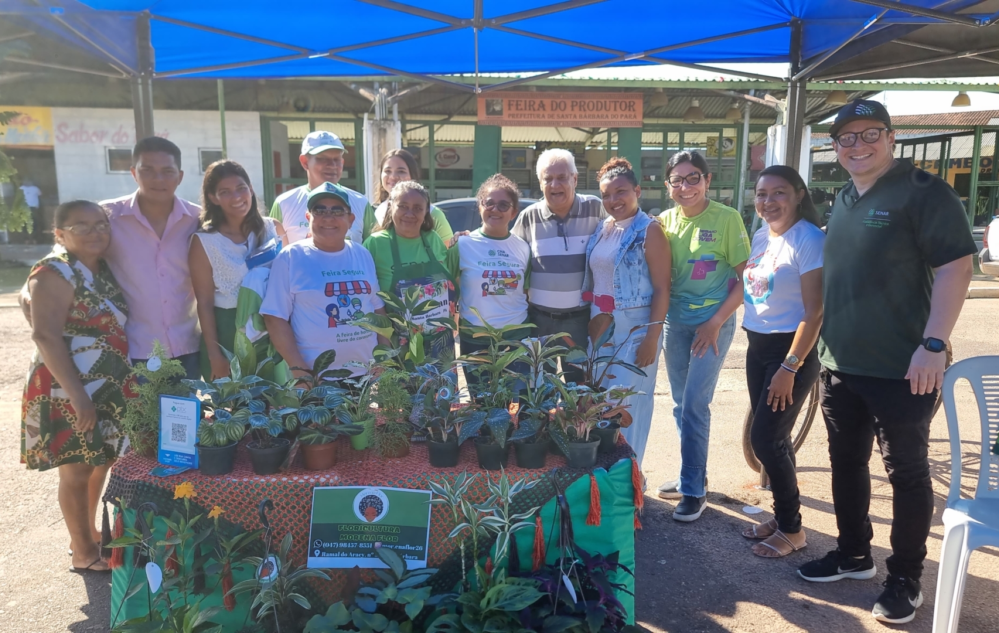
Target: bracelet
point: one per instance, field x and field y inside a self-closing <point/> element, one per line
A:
<point x="793" y="371"/>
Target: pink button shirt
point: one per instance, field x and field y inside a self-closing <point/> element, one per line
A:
<point x="154" y="276"/>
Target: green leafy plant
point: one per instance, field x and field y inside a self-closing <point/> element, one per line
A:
<point x="393" y="396"/>
<point x="496" y="600"/>
<point x="279" y="600"/>
<point x="404" y="328"/>
<point x="492" y="365"/>
<point x="391" y="439"/>
<point x="596" y="364"/>
<point x="14" y="214"/>
<point x="221" y="430"/>
<point x="579" y="408"/>
<point x="317" y="433"/>
<point x="182" y="558"/>
<point x="390" y="604"/>
<point x="141" y="421"/>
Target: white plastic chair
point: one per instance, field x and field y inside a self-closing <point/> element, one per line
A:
<point x="968" y="523"/>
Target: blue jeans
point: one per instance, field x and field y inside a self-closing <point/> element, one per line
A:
<point x="692" y="381"/>
<point x="642" y="405"/>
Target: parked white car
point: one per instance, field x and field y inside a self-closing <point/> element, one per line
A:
<point x="988" y="258"/>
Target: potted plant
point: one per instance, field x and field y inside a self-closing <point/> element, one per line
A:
<point x="577" y="412"/>
<point x="318" y="437"/>
<point x="267" y="450"/>
<point x="159" y="376"/>
<point x="218" y="436"/>
<point x="400" y="326"/>
<point x="391" y="436"/>
<point x="360" y="408"/>
<point x="541" y="355"/>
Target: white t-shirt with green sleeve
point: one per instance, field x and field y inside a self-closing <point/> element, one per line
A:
<point x="494" y="275"/>
<point x="319" y="293"/>
<point x="290" y="207"/>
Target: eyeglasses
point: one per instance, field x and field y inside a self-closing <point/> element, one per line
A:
<point x="82" y="230"/>
<point x="690" y="179"/>
<point x="503" y="206"/>
<point x="869" y="136"/>
<point x="328" y="212"/>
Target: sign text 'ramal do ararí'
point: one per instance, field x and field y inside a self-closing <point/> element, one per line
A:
<point x="561" y="109"/>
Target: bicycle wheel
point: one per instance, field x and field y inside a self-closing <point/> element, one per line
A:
<point x="799" y="431"/>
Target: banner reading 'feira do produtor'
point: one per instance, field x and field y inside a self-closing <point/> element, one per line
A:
<point x="347" y="522"/>
<point x="561" y="109"/>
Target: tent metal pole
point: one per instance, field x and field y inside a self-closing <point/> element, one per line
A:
<point x="206" y="69"/>
<point x="31" y="62"/>
<point x="16" y="36"/>
<point x="929" y="60"/>
<point x="423" y="13"/>
<point x="937" y="49"/>
<point x="793" y="118"/>
<point x="117" y="63"/>
<point x="637" y="57"/>
<point x="221" y="87"/>
<point x="920" y="11"/>
<point x="248" y="38"/>
<point x="142" y="84"/>
<point x="395" y="71"/>
<point x="976" y="156"/>
<point x="548" y="10"/>
<point x="803" y="74"/>
<point x="740" y="182"/>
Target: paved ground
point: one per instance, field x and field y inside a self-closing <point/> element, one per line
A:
<point x="696" y="577"/>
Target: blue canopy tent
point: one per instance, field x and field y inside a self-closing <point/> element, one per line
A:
<point x="436" y="39"/>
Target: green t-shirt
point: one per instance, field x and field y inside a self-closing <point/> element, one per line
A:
<point x="880" y="252"/>
<point x="411" y="250"/>
<point x="705" y="250"/>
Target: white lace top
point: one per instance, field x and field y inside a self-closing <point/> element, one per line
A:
<point x="228" y="261"/>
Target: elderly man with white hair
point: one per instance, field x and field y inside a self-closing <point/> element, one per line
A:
<point x="558" y="229"/>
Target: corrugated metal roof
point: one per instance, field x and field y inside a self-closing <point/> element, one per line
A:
<point x="971" y="119"/>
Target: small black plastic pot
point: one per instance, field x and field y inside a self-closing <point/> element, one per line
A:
<point x="530" y="454"/>
<point x="491" y="456"/>
<point x="267" y="461"/>
<point x="608" y="437"/>
<point x="583" y="454"/>
<point x="444" y="454"/>
<point x="216" y="460"/>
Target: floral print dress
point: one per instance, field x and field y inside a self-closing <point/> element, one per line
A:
<point x="95" y="335"/>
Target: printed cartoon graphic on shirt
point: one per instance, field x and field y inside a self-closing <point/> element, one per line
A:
<point x="702" y="266"/>
<point x="347" y="305"/>
<point x="759" y="283"/>
<point x="500" y="282"/>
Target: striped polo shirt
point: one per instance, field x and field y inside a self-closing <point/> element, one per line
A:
<point x="558" y="251"/>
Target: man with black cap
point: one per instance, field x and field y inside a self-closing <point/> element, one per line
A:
<point x="897" y="268"/>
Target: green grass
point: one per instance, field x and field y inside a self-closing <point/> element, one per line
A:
<point x="12" y="277"/>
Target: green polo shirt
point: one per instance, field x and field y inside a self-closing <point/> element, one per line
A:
<point x="880" y="252"/>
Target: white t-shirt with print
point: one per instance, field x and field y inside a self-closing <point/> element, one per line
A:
<point x="319" y="293"/>
<point x="290" y="207"/>
<point x="772" y="280"/>
<point x="493" y="273"/>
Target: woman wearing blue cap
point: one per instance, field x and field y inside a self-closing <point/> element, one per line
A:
<point x="233" y="237"/>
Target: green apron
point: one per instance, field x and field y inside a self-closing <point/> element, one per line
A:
<point x="438" y="285"/>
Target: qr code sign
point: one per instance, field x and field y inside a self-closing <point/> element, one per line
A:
<point x="178" y="432"/>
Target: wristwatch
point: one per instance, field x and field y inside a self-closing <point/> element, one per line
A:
<point x="934" y="344"/>
<point x="792" y="360"/>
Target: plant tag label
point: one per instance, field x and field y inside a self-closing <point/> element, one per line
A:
<point x="154" y="363"/>
<point x="179" y="418"/>
<point x="569" y="587"/>
<point x="154" y="575"/>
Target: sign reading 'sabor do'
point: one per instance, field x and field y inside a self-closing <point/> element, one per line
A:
<point x="561" y="109"/>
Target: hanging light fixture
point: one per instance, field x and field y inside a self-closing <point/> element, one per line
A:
<point x="734" y="113"/>
<point x="836" y="98"/>
<point x="962" y="100"/>
<point x="694" y="112"/>
<point x="658" y="99"/>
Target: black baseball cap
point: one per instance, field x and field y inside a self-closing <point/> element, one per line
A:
<point x="860" y="109"/>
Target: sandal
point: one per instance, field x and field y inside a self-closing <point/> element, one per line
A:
<point x="777" y="545"/>
<point x="90" y="568"/>
<point x="761" y="531"/>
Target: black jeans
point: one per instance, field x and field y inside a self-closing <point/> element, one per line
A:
<point x="859" y="409"/>
<point x="772" y="429"/>
<point x="574" y="323"/>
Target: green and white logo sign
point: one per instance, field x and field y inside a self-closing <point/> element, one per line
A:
<point x="348" y="521"/>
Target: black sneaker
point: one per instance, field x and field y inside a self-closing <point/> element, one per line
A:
<point x="899" y="601"/>
<point x="837" y="566"/>
<point x="690" y="508"/>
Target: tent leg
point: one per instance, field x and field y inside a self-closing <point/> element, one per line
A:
<point x="225" y="149"/>
<point x="142" y="84"/>
<point x="794" y="117"/>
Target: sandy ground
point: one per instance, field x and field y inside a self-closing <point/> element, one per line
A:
<point x="697" y="577"/>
